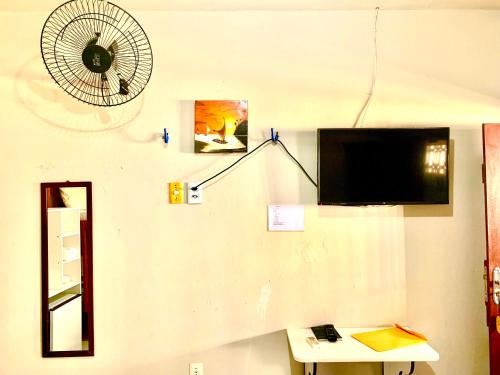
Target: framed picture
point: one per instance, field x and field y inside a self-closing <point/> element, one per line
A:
<point x="220" y="126"/>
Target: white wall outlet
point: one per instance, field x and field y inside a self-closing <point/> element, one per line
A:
<point x="196" y="369"/>
<point x="194" y="196"/>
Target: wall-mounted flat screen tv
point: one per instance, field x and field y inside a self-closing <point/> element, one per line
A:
<point x="383" y="166"/>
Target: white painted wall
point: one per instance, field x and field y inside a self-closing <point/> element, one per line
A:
<point x="445" y="255"/>
<point x="178" y="284"/>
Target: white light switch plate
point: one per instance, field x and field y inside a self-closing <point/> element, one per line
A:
<point x="194" y="196"/>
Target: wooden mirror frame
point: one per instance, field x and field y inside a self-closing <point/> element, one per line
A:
<point x="88" y="277"/>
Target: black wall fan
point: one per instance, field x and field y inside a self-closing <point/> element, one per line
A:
<point x="96" y="52"/>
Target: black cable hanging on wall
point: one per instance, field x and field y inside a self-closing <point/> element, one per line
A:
<point x="275" y="140"/>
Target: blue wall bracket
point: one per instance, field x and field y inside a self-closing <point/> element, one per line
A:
<point x="274" y="136"/>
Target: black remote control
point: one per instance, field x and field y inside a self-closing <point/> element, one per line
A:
<point x="330" y="333"/>
<point x="327" y="332"/>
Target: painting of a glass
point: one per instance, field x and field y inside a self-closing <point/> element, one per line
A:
<point x="221" y="126"/>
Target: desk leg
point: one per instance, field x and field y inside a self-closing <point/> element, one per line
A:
<point x="310" y="368"/>
<point x="412" y="368"/>
<point x="395" y="368"/>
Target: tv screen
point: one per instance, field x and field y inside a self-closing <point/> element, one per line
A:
<point x="383" y="166"/>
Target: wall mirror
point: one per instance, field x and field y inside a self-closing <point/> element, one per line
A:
<point x="67" y="298"/>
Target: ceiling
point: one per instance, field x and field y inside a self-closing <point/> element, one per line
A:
<point x="46" y="5"/>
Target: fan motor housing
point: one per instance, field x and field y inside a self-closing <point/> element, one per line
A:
<point x="96" y="58"/>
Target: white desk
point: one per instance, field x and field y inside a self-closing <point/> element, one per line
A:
<point x="351" y="350"/>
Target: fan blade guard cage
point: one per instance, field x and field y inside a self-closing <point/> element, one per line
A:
<point x="97" y="52"/>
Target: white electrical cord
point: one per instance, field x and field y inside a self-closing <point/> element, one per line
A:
<point x="366" y="104"/>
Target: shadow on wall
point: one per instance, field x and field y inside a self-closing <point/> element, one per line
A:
<point x="187" y="122"/>
<point x="292" y="185"/>
<point x="36" y="91"/>
<point x="423" y="368"/>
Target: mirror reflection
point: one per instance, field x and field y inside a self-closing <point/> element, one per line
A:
<point x="67" y="268"/>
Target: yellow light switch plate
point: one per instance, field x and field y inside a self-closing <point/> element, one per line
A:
<point x="176" y="192"/>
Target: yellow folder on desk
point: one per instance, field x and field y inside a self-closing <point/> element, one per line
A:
<point x="389" y="338"/>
